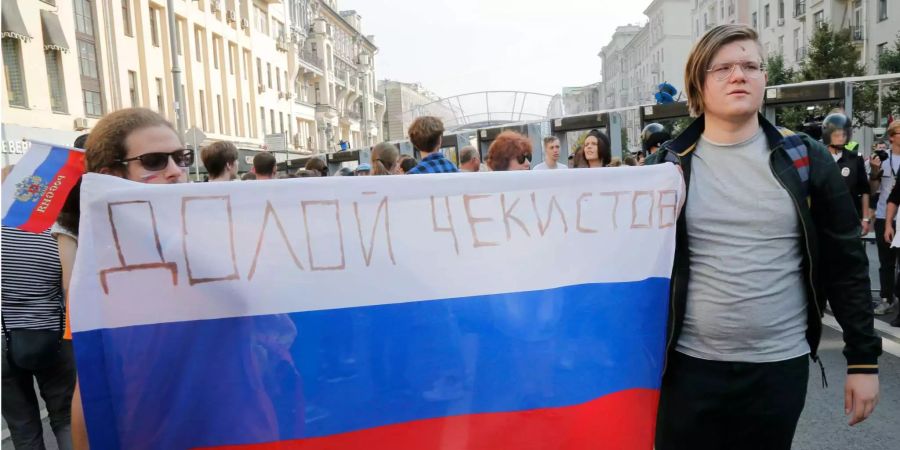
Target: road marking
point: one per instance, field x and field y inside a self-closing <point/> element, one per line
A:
<point x="887" y="345"/>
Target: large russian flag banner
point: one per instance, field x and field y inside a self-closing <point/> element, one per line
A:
<point x="36" y="188"/>
<point x="457" y="311"/>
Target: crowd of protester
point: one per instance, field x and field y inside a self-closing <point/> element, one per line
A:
<point x="140" y="145"/>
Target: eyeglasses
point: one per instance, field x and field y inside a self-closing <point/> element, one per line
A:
<point x="524" y="157"/>
<point x="157" y="161"/>
<point x="750" y="69"/>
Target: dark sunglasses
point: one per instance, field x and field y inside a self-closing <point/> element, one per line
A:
<point x="524" y="157"/>
<point x="157" y="161"/>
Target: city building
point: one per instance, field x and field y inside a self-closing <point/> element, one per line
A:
<point x="300" y="69"/>
<point x="406" y="101"/>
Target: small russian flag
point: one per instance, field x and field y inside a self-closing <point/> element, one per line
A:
<point x="35" y="190"/>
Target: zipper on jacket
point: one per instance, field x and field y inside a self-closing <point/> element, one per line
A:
<point x="671" y="338"/>
<point x="811" y="286"/>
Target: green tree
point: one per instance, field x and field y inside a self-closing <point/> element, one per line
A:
<point x="889" y="60"/>
<point x="777" y="72"/>
<point x="832" y="54"/>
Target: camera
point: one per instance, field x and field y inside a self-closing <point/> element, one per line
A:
<point x="881" y="154"/>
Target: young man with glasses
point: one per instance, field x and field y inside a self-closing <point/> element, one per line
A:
<point x="767" y="234"/>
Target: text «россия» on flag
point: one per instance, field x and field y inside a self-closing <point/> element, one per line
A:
<point x="497" y="310"/>
<point x="36" y="189"/>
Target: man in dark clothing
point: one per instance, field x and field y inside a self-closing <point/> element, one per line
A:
<point x="836" y="130"/>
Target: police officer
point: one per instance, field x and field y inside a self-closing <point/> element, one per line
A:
<point x="652" y="137"/>
<point x="836" y="132"/>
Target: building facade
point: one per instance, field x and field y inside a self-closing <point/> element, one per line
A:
<point x="406" y="101"/>
<point x="786" y="26"/>
<point x="250" y="69"/>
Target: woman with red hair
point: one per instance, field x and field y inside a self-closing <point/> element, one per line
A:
<point x="510" y="151"/>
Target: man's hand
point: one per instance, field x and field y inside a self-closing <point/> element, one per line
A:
<point x="865" y="227"/>
<point x="888" y="232"/>
<point x="860" y="396"/>
<point x="875" y="162"/>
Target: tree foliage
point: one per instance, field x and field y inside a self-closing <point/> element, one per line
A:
<point x="832" y="54"/>
<point x="777" y="72"/>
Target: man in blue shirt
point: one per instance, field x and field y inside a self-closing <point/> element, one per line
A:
<point x="425" y="134"/>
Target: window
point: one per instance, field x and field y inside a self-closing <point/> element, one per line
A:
<point x="55" y="80"/>
<point x="84" y="17"/>
<point x="755" y="21"/>
<point x="215" y="52"/>
<point x="203" y="109"/>
<point x="249" y="118"/>
<point x="766" y="16"/>
<point x="93" y="106"/>
<point x="246" y="63"/>
<point x="262" y="119"/>
<point x="231" y="51"/>
<point x="781" y="45"/>
<point x="132" y="88"/>
<point x="12" y="65"/>
<point x="879" y="51"/>
<point x="272" y="119"/>
<point x="882" y="10"/>
<point x="781" y="9"/>
<point x="819" y="18"/>
<point x="198" y="44"/>
<point x="154" y="28"/>
<point x="281" y="121"/>
<point x="278" y="79"/>
<point x="261" y="20"/>
<point x="259" y="76"/>
<point x="160" y="100"/>
<point x="178" y="38"/>
<point x="126" y="17"/>
<point x="87" y="56"/>
<point x="219" y="107"/>
<point x="797" y="45"/>
<point x="234" y="115"/>
<point x="721" y="9"/>
<point x="269" y="73"/>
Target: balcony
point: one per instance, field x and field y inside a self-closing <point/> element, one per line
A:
<point x="800" y="9"/>
<point x="312" y="59"/>
<point x="857" y="33"/>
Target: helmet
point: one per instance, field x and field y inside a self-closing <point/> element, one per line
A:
<point x="364" y="167"/>
<point x="653" y="135"/>
<point x="834" y="122"/>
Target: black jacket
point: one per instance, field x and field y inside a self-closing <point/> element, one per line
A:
<point x="835" y="264"/>
<point x="853" y="170"/>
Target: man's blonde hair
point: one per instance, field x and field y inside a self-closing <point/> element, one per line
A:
<point x="701" y="56"/>
<point x="893" y="128"/>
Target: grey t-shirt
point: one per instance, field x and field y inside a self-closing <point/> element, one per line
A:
<point x="746" y="299"/>
<point x="544" y="166"/>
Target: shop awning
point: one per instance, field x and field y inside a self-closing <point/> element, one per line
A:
<point x="54" y="38"/>
<point x="12" y="25"/>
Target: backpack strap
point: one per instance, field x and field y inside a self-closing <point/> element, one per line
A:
<point x="796" y="149"/>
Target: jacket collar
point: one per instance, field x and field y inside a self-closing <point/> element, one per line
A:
<point x="684" y="143"/>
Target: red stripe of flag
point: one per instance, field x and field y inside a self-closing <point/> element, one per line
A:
<point x="621" y="420"/>
<point x="50" y="204"/>
<point x="802" y="162"/>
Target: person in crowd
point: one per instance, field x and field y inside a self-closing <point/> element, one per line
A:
<point x="509" y="151"/>
<point x="425" y="134"/>
<point x="264" y="166"/>
<point x="385" y="159"/>
<point x="35" y="357"/>
<point x="551" y="155"/>
<point x="629" y="161"/>
<point x="407" y="163"/>
<point x="737" y="364"/>
<point x="836" y="129"/>
<point x="318" y="165"/>
<point x="346" y="172"/>
<point x="891" y="214"/>
<point x="883" y="179"/>
<point x="136" y="144"/>
<point x="615" y="162"/>
<point x="652" y="137"/>
<point x="595" y="151"/>
<point x="306" y="173"/>
<point x="221" y="161"/>
<point x="469" y="161"/>
<point x="363" y="169"/>
<point x="80" y="140"/>
<point x="249" y="176"/>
